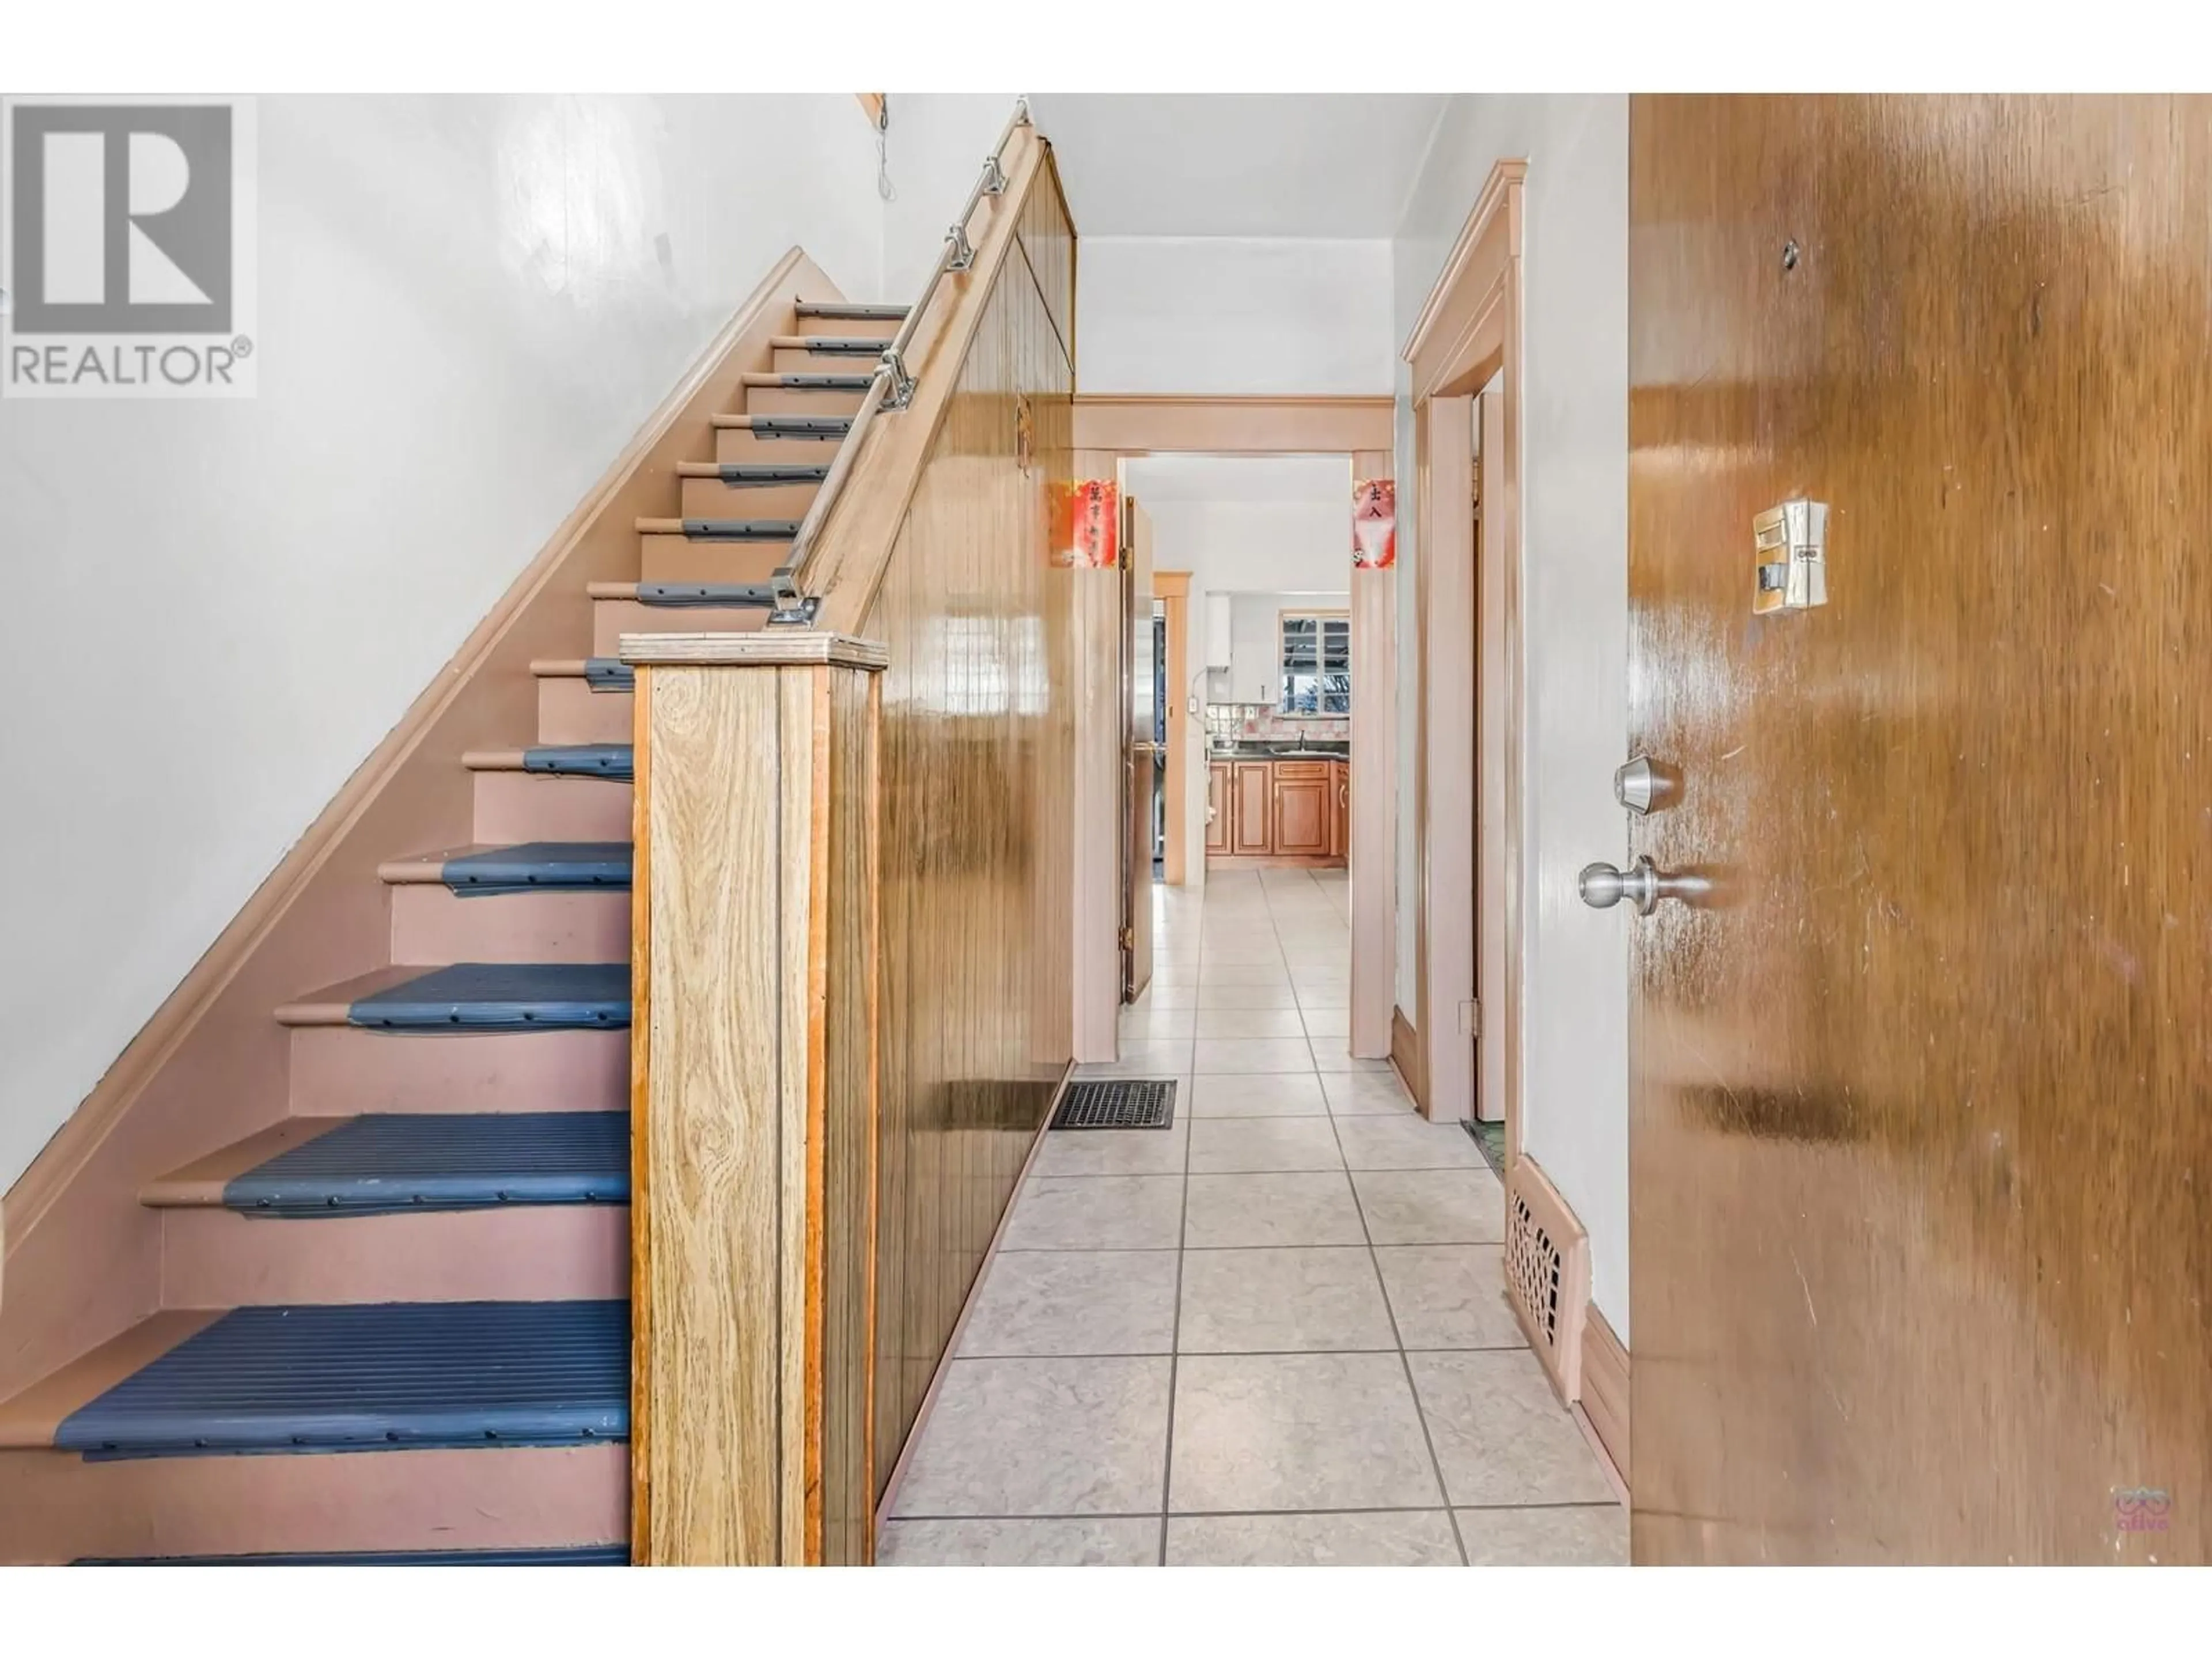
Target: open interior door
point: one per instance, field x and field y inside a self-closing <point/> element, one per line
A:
<point x="1140" y="751"/>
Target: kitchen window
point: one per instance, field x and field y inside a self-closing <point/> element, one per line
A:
<point x="1316" y="662"/>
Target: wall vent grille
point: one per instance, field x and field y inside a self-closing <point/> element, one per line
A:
<point x="1546" y="1273"/>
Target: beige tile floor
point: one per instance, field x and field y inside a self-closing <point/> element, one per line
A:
<point x="1273" y="1333"/>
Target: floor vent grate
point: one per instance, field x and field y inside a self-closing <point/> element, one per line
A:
<point x="1116" y="1103"/>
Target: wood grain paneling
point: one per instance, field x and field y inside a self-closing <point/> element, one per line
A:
<point x="1919" y="1136"/>
<point x="850" y="1017"/>
<point x="977" y="730"/>
<point x="754" y="1108"/>
<point x="847" y="566"/>
<point x="712" y="1127"/>
<point x="1046" y="233"/>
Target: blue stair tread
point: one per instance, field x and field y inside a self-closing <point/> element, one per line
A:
<point x="706" y="595"/>
<point x="385" y="1163"/>
<point x="536" y="865"/>
<point x="381" y="1376"/>
<point x="562" y="1555"/>
<point x="588" y="760"/>
<point x="852" y="308"/>
<point x="609" y="674"/>
<point x="743" y="474"/>
<point x="799" y="426"/>
<point x="502" y="996"/>
<point x="741" y="530"/>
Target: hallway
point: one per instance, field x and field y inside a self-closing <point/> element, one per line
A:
<point x="1270" y="1334"/>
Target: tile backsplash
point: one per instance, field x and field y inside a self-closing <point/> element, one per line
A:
<point x="1264" y="719"/>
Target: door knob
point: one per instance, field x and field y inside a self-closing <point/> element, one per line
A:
<point x="1643" y="885"/>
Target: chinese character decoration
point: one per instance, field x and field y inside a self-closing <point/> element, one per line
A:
<point x="1374" y="524"/>
<point x="1087" y="533"/>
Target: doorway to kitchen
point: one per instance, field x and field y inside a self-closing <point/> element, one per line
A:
<point x="1274" y="484"/>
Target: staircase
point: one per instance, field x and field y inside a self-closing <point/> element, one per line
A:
<point x="414" y="1286"/>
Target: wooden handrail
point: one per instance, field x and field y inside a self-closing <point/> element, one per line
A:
<point x="848" y="567"/>
<point x="892" y="385"/>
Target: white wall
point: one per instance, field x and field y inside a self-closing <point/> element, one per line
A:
<point x="1233" y="316"/>
<point x="1575" y="598"/>
<point x="468" y="306"/>
<point x="1239" y="546"/>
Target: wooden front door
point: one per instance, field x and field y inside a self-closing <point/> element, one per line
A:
<point x="1921" y="1148"/>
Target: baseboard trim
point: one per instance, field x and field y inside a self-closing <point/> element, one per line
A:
<point x="1605" y="1387"/>
<point x="1406" y="1055"/>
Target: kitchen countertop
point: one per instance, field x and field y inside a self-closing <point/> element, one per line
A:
<point x="1317" y="749"/>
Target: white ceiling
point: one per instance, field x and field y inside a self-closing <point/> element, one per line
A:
<point x="1271" y="479"/>
<point x="1237" y="164"/>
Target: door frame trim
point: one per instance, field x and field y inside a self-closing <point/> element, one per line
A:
<point x="1172" y="589"/>
<point x="1110" y="429"/>
<point x="1469" y="332"/>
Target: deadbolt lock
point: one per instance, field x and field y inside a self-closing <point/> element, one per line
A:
<point x="1644" y="786"/>
<point x="1635" y="784"/>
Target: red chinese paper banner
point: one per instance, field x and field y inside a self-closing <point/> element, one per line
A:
<point x="1374" y="524"/>
<point x="1087" y="525"/>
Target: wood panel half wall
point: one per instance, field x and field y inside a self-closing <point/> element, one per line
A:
<point x="855" y="909"/>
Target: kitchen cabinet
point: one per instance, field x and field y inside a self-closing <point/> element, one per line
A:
<point x="1287" y="809"/>
<point x="1220" y="633"/>
<point x="1304" y="808"/>
<point x="1252" y="808"/>
<point x="1255" y="673"/>
<point x="1217" y="807"/>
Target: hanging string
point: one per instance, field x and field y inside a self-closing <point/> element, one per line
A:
<point x="884" y="188"/>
